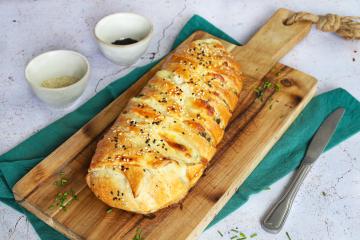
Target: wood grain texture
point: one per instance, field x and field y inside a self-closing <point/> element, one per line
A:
<point x="255" y="127"/>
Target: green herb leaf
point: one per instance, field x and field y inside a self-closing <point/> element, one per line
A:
<point x="138" y="235"/>
<point x="220" y="233"/>
<point x="260" y="91"/>
<point x="63" y="181"/>
<point x="109" y="210"/>
<point x="267" y="84"/>
<point x="277" y="87"/>
<point x="288" y="236"/>
<point x="242" y="234"/>
<point x="253" y="235"/>
<point x="64" y="199"/>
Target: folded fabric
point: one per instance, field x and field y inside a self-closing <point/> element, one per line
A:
<point x="283" y="158"/>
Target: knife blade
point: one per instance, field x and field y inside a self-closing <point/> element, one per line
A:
<point x="323" y="136"/>
<point x="274" y="220"/>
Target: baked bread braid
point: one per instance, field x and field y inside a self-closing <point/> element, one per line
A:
<point x="161" y="143"/>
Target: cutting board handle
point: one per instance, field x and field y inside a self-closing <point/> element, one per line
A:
<point x="270" y="44"/>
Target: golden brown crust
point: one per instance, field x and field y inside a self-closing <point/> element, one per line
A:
<point x="161" y="143"/>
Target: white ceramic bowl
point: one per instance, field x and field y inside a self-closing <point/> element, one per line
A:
<point x="55" y="64"/>
<point x="119" y="26"/>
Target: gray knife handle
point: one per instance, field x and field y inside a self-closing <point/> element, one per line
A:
<point x="275" y="218"/>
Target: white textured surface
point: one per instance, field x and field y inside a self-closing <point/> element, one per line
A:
<point x="32" y="27"/>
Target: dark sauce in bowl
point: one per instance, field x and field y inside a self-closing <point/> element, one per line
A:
<point x="124" y="41"/>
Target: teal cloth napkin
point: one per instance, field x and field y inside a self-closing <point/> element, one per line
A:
<point x="282" y="159"/>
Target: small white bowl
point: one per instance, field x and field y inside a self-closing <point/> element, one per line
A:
<point x="119" y="26"/>
<point x="55" y="64"/>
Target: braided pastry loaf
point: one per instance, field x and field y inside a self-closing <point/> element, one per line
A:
<point x="161" y="143"/>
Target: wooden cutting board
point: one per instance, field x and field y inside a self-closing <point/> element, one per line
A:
<point x="256" y="126"/>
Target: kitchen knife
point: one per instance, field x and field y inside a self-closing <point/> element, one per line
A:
<point x="275" y="218"/>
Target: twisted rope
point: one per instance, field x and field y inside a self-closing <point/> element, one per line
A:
<point x="346" y="27"/>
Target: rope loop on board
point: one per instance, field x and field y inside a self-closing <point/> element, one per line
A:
<point x="346" y="27"/>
